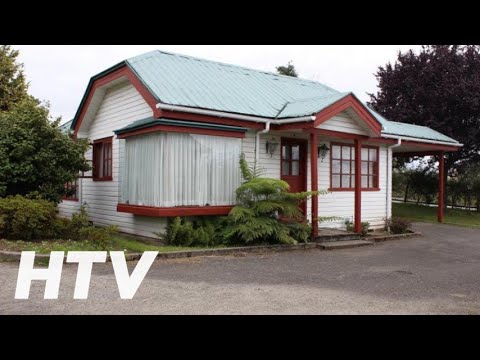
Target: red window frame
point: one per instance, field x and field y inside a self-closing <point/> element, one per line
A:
<point x="71" y="190"/>
<point x="375" y="174"/>
<point x="102" y="156"/>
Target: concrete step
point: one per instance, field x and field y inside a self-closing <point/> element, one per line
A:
<point x="337" y="237"/>
<point x="344" y="244"/>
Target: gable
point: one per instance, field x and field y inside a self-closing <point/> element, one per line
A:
<point x="121" y="105"/>
<point x="346" y="121"/>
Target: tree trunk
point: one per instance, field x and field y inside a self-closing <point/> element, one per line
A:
<point x="478" y="203"/>
<point x="405" y="198"/>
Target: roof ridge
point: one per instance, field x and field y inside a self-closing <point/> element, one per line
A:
<point x="320" y="97"/>
<point x="286" y="77"/>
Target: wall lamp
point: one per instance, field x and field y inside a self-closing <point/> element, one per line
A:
<point x="323" y="151"/>
<point x="271" y="147"/>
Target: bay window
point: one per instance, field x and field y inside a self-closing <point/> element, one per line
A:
<point x="342" y="167"/>
<point x="169" y="169"/>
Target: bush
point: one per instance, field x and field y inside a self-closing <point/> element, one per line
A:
<point x="203" y="231"/>
<point x="27" y="219"/>
<point x="365" y="227"/>
<point x="266" y="212"/>
<point x="397" y="225"/>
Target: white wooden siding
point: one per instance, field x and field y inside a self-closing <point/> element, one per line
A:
<point x="343" y="123"/>
<point x="121" y="106"/>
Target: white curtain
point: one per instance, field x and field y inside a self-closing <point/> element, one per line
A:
<point x="176" y="169"/>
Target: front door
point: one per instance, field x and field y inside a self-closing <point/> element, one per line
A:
<point x="294" y="165"/>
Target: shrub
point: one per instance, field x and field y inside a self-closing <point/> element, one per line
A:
<point x="397" y="225"/>
<point x="101" y="236"/>
<point x="365" y="228"/>
<point x="27" y="219"/>
<point x="266" y="212"/>
<point x="350" y="227"/>
<point x="203" y="231"/>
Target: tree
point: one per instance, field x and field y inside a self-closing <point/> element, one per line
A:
<point x="440" y="88"/>
<point x="36" y="157"/>
<point x="13" y="87"/>
<point x="288" y="70"/>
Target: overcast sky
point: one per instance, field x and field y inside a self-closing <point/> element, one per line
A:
<point x="60" y="74"/>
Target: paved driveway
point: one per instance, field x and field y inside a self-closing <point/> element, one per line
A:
<point x="439" y="273"/>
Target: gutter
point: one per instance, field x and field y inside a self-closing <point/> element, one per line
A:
<point x="388" y="188"/>
<point x="406" y="138"/>
<point x="227" y="115"/>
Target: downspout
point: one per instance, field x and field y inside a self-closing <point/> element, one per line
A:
<point x="387" y="195"/>
<point x="257" y="141"/>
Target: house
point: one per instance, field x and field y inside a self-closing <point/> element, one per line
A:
<point x="167" y="131"/>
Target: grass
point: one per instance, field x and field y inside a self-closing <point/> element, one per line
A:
<point x="429" y="214"/>
<point x="117" y="243"/>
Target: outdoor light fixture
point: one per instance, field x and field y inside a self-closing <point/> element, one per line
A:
<point x="323" y="151"/>
<point x="271" y="147"/>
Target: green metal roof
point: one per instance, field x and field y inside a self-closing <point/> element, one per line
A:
<point x="192" y="82"/>
<point x="66" y="126"/>
<point x="148" y="122"/>
<point x="410" y="130"/>
<point x="198" y="83"/>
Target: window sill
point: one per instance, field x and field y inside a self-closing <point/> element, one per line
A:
<point x="174" y="211"/>
<point x="352" y="189"/>
<point x="73" y="200"/>
<point x="103" y="179"/>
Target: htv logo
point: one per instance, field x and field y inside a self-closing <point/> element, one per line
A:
<point x="127" y="284"/>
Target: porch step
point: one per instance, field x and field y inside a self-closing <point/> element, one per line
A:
<point x="347" y="244"/>
<point x="337" y="237"/>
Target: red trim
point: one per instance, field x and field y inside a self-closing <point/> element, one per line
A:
<point x="314" y="174"/>
<point x="210" y="119"/>
<point x="174" y="211"/>
<point x="432" y="147"/>
<point x="182" y="129"/>
<point x="97" y="158"/>
<point x="441" y="186"/>
<point x="338" y="134"/>
<point x="358" y="192"/>
<point x="349" y="101"/>
<point x="122" y="72"/>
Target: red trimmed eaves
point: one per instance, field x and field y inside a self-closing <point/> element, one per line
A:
<point x="124" y="71"/>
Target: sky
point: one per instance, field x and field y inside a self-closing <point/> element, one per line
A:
<point x="59" y="74"/>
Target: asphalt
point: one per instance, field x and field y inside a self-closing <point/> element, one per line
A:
<point x="435" y="274"/>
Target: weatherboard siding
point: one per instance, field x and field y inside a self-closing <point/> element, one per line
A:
<point x="343" y="123"/>
<point x="123" y="105"/>
<point x="120" y="106"/>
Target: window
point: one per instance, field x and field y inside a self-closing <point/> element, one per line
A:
<point x="170" y="169"/>
<point x="290" y="159"/>
<point x="102" y="160"/>
<point x="71" y="190"/>
<point x="342" y="167"/>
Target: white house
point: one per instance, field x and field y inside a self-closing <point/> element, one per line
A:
<point x="167" y="131"/>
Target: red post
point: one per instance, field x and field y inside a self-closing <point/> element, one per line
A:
<point x="441" y="185"/>
<point x="358" y="186"/>
<point x="314" y="186"/>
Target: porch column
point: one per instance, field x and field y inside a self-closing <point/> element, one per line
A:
<point x="358" y="186"/>
<point x="314" y="185"/>
<point x="441" y="186"/>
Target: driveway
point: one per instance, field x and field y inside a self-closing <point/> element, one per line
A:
<point x="435" y="274"/>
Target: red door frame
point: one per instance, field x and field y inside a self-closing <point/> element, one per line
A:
<point x="302" y="163"/>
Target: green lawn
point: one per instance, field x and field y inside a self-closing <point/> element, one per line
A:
<point x="429" y="214"/>
<point x="118" y="242"/>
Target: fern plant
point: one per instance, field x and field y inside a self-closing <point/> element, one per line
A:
<point x="266" y="212"/>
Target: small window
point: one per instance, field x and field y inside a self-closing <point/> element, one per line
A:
<point x="71" y="190"/>
<point x="102" y="160"/>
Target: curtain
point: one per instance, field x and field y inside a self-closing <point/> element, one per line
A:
<point x="176" y="169"/>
